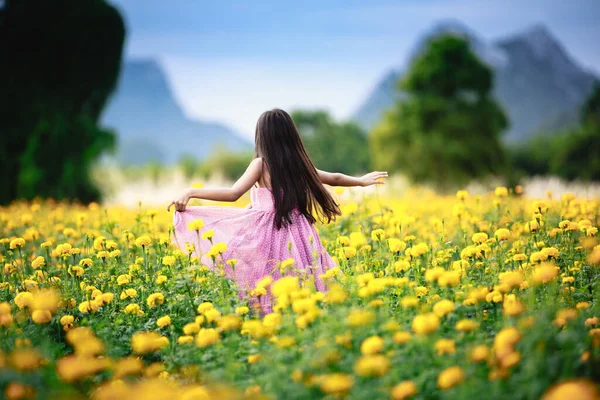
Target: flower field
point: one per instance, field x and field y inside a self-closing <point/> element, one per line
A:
<point x="433" y="298"/>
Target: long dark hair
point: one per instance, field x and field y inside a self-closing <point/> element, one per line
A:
<point x="294" y="179"/>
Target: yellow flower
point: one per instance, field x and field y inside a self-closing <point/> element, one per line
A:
<point x="185" y="339"/>
<point x="133" y="308"/>
<point x="155" y="299"/>
<point x="544" y="273"/>
<point x="371" y="345"/>
<point x="404" y="390"/>
<point x="360" y="318"/>
<point x="450" y="377"/>
<point x="67" y="320"/>
<point x="196" y="225"/>
<point x="168" y="261"/>
<point x="205" y="307"/>
<point x="207" y="337"/>
<point x="466" y="325"/>
<point x="143" y="241"/>
<point x="123" y="279"/>
<point x="501" y="192"/>
<point x="208" y="234"/>
<point x="285" y="286"/>
<point x="254" y="358"/>
<point x="479" y="237"/>
<point x="445" y="346"/>
<point x="38" y="262"/>
<point x="372" y="365"/>
<point x="443" y="307"/>
<point x="161" y="279"/>
<point x="336" y="383"/>
<point x="401" y="337"/>
<point x="23" y="299"/>
<point x="425" y="324"/>
<point x="502" y="234"/>
<point x="462" y="194"/>
<point x="41" y="316"/>
<point x="480" y="353"/>
<point x="163" y="321"/>
<point x="243" y="310"/>
<point x="148" y="342"/>
<point x="17" y="243"/>
<point x="580" y="389"/>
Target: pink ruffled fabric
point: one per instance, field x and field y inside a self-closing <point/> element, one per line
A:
<point x="255" y="242"/>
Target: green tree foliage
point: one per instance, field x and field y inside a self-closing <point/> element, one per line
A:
<point x="570" y="155"/>
<point x="60" y="62"/>
<point x="231" y="165"/>
<point x="446" y="130"/>
<point x="332" y="146"/>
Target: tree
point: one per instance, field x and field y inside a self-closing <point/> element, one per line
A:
<point x="570" y="155"/>
<point x="60" y="63"/>
<point x="333" y="146"/>
<point x="446" y="130"/>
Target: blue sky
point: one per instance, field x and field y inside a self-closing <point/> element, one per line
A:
<point x="230" y="60"/>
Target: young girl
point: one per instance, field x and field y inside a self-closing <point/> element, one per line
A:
<point x="286" y="190"/>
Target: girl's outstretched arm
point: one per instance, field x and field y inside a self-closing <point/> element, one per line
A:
<point x="337" y="179"/>
<point x="251" y="176"/>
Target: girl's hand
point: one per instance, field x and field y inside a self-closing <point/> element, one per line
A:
<point x="373" y="178"/>
<point x="180" y="202"/>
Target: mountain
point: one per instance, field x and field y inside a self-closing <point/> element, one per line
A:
<point x="539" y="85"/>
<point x="150" y="123"/>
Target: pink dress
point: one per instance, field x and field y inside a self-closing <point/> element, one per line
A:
<point x="255" y="242"/>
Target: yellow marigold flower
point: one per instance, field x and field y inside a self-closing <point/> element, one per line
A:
<point x="502" y="234"/>
<point x="128" y="366"/>
<point x="23" y="299"/>
<point x="17" y="243"/>
<point x="582" y="305"/>
<point x="501" y="192"/>
<point x="39" y="262"/>
<point x="512" y="306"/>
<point x="450" y="377"/>
<point x="88" y="306"/>
<point x="425" y="324"/>
<point x="207" y="337"/>
<point x="462" y="194"/>
<point x="404" y="390"/>
<point x="133" y="308"/>
<point x="185" y="339"/>
<point x="336" y="295"/>
<point x="163" y="321"/>
<point x="254" y="358"/>
<point x="510" y="360"/>
<point x="123" y="279"/>
<point x="371" y="345"/>
<point x="449" y="278"/>
<point x="443" y="307"/>
<point x="360" y="318"/>
<point x="196" y="225"/>
<point x="580" y="389"/>
<point x="155" y="299"/>
<point x="445" y="346"/>
<point x="143" y="241"/>
<point x="544" y="273"/>
<point x="86" y="262"/>
<point x="212" y="315"/>
<point x="148" y="342"/>
<point x="67" y="320"/>
<point x="160" y="279"/>
<point x="401" y="337"/>
<point x="372" y="365"/>
<point x="168" y="261"/>
<point x="480" y="353"/>
<point x="25" y="359"/>
<point x="41" y="316"/>
<point x="243" y="310"/>
<point x="466" y="325"/>
<point x="479" y="237"/>
<point x="336" y="383"/>
<point x="409" y="301"/>
<point x="205" y="307"/>
<point x="285" y="286"/>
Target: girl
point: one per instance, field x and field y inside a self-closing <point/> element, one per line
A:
<point x="286" y="191"/>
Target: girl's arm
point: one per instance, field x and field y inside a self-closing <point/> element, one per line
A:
<point x="251" y="176"/>
<point x="337" y="179"/>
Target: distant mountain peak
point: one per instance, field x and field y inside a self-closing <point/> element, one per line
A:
<point x="539" y="85"/>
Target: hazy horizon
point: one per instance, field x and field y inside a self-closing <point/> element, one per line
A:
<point x="230" y="61"/>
